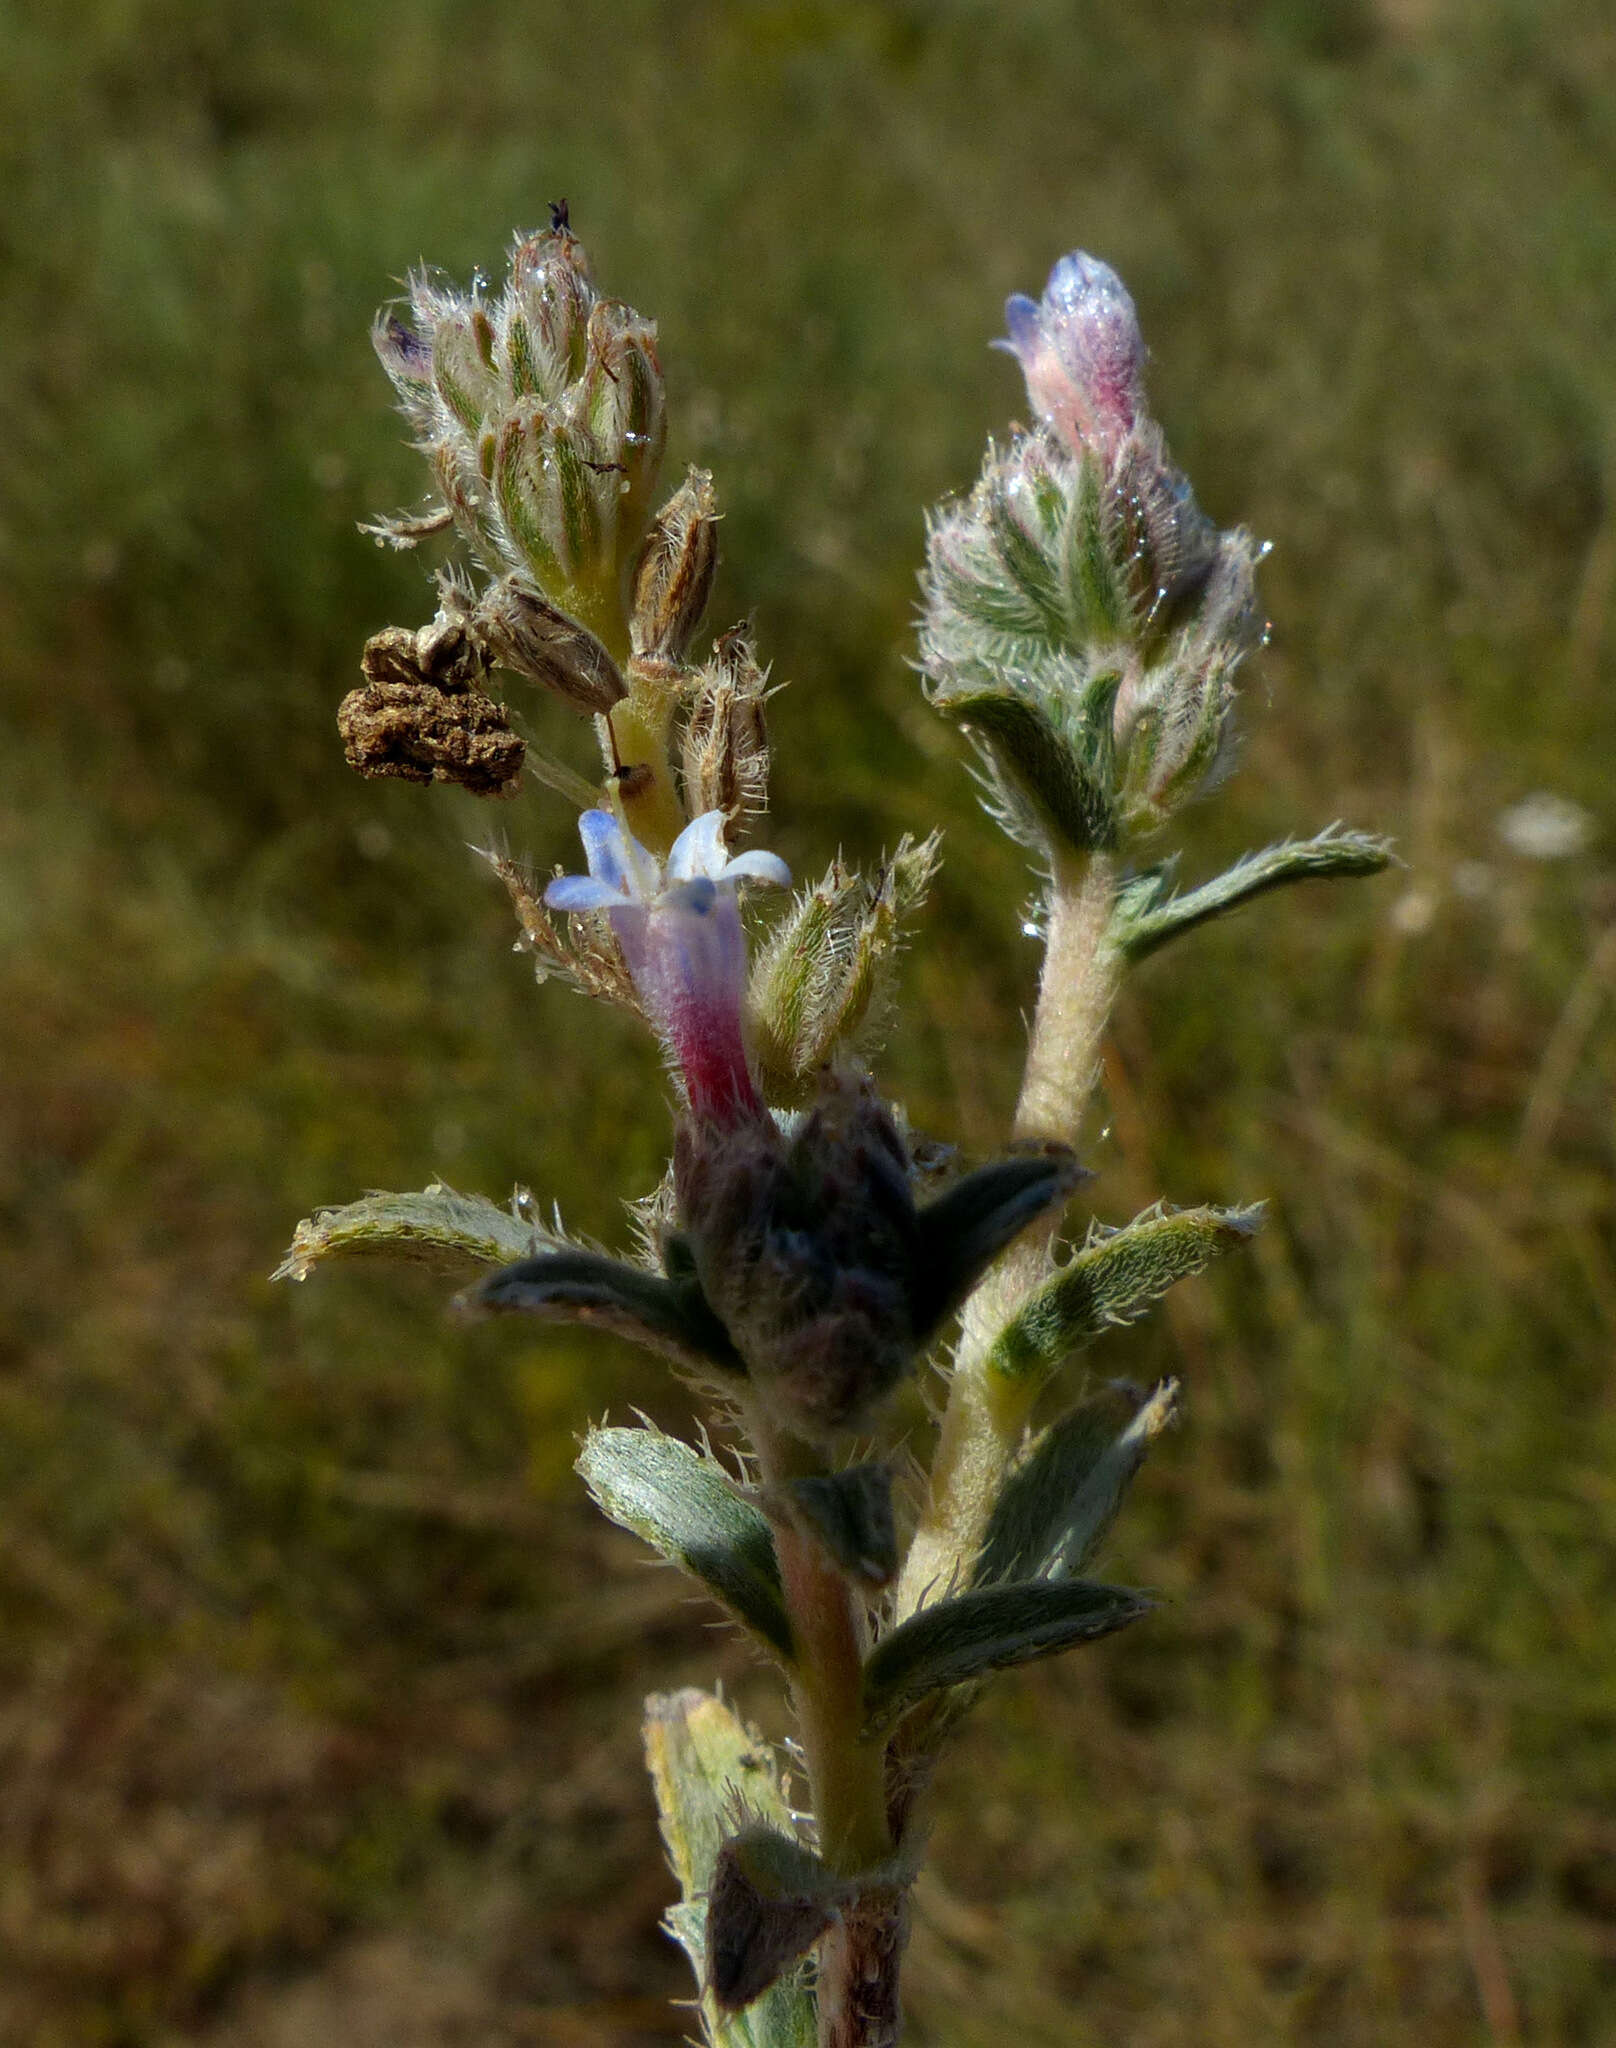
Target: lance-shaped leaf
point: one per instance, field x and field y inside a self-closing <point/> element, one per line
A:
<point x="1069" y="798"/>
<point x="687" y="1507"/>
<point x="1149" y="912"/>
<point x="769" y="1901"/>
<point x="850" y="1513"/>
<point x="668" y="1313"/>
<point x="1114" y="1279"/>
<point x="707" y="1767"/>
<point x="1064" y="1492"/>
<point x="966" y="1228"/>
<point x="986" y="1630"/>
<point x="438" y="1227"/>
<point x="818" y="980"/>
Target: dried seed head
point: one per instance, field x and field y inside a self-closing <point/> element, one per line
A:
<point x="674" y="575"/>
<point x="421" y="716"/>
<point x="724" y="757"/>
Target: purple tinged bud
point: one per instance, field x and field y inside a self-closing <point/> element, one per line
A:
<point x="1082" y="354"/>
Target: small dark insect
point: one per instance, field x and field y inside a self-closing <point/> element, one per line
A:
<point x="634" y="778"/>
<point x="559" y="223"/>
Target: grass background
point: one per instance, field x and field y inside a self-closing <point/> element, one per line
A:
<point x="318" y="1687"/>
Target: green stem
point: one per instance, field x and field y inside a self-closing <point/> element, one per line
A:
<point x="983" y="1422"/>
<point x="845" y="1772"/>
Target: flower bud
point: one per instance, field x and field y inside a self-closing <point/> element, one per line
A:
<point x="620" y="405"/>
<point x="724" y="757"/>
<point x="1084" y="618"/>
<point x="1082" y="355"/>
<point x="812" y="1252"/>
<point x="805" y="1249"/>
<point x="674" y="576"/>
<point x="545" y="313"/>
<point x="527" y="633"/>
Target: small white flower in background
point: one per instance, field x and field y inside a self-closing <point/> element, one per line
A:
<point x="1414" y="912"/>
<point x="679" y="926"/>
<point x="1545" y="826"/>
<point x="1473" y="880"/>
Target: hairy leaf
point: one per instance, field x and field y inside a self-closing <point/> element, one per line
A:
<point x="851" y="1514"/>
<point x="687" y="1507"/>
<point x="1070" y="798"/>
<point x="1148" y="919"/>
<point x="1114" y="1279"/>
<point x="987" y="1629"/>
<point x="707" y="1767"/>
<point x="437" y="1227"/>
<point x="966" y="1228"/>
<point x="769" y="1901"/>
<point x="666" y="1313"/>
<point x="1064" y="1492"/>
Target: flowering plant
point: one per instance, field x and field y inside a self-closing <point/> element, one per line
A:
<point x="1083" y="623"/>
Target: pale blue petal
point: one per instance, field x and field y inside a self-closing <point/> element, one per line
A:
<point x="1024" y="318"/>
<point x="606" y="850"/>
<point x="757" y="866"/>
<point x="699" y="849"/>
<point x="583" y="892"/>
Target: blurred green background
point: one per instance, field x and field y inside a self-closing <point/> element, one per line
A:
<point x="318" y="1685"/>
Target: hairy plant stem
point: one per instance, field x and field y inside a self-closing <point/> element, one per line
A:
<point x="636" y="737"/>
<point x="986" y="1414"/>
<point x="859" y="1958"/>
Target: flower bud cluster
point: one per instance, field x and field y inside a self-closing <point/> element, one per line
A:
<point x="805" y="1246"/>
<point x="1084" y="618"/>
<point x="812" y="1252"/>
<point x="542" y="412"/>
<point x="543" y="415"/>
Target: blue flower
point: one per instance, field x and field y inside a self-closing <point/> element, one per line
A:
<point x="679" y="926"/>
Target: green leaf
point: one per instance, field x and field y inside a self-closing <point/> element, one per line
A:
<point x="965" y="1229"/>
<point x="850" y="1513"/>
<point x="668" y="1314"/>
<point x="1114" y="1279"/>
<point x="706" y="1766"/>
<point x="1071" y="800"/>
<point x="1141" y="926"/>
<point x="687" y="1507"/>
<point x="1030" y="569"/>
<point x="1095" y="578"/>
<point x="1064" y="1491"/>
<point x="987" y="1629"/>
<point x="438" y="1228"/>
<point x="769" y="1901"/>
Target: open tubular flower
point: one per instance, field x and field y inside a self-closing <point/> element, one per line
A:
<point x="679" y="925"/>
